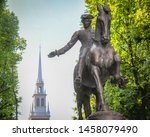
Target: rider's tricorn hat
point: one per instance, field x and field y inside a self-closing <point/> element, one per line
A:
<point x="86" y="16"/>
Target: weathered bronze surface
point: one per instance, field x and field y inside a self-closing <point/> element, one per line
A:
<point x="97" y="61"/>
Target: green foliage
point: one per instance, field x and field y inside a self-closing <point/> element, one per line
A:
<point x="11" y="49"/>
<point x="123" y="100"/>
<point x="130" y="36"/>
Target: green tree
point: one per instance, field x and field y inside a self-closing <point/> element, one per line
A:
<point x="130" y="36"/>
<point x="11" y="49"/>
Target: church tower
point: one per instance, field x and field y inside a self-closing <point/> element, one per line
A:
<point x="39" y="110"/>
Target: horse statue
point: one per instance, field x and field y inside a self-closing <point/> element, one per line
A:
<point x="101" y="63"/>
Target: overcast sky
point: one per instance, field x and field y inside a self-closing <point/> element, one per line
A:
<point x="49" y="23"/>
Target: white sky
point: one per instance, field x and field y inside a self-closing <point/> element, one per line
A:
<point x="50" y="23"/>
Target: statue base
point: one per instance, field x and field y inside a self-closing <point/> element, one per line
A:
<point x="106" y="115"/>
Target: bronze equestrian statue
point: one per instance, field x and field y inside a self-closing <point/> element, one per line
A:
<point x="97" y="61"/>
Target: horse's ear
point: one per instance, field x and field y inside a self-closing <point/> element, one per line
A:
<point x="106" y="8"/>
<point x="99" y="8"/>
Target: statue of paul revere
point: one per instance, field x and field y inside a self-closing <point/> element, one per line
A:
<point x="97" y="61"/>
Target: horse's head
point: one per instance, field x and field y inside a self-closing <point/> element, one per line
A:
<point x="103" y="23"/>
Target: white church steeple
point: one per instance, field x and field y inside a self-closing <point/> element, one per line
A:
<point x="40" y="111"/>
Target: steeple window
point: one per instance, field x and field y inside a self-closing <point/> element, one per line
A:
<point x="37" y="102"/>
<point x="42" y="102"/>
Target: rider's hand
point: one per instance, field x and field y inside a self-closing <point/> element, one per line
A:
<point x="52" y="54"/>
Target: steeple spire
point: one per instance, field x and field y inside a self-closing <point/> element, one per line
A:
<point x="39" y="79"/>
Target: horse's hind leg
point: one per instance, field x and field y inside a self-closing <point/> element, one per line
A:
<point x="86" y="103"/>
<point x="79" y="105"/>
<point x="100" y="102"/>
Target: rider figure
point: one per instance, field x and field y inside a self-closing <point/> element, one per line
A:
<point x="85" y="36"/>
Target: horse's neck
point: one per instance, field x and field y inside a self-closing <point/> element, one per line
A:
<point x="98" y="36"/>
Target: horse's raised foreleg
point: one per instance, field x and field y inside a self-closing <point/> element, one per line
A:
<point x="100" y="102"/>
<point x="121" y="81"/>
<point x="117" y="59"/>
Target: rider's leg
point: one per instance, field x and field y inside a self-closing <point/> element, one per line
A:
<point x="80" y="70"/>
<point x="81" y="65"/>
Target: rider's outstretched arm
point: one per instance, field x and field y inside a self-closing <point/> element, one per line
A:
<point x="69" y="45"/>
